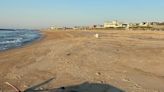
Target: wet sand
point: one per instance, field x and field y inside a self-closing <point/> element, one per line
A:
<point x="132" y="61"/>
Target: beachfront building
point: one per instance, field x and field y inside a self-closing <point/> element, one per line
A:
<point x="115" y="24"/>
<point x="162" y="23"/>
<point x="154" y="23"/>
<point x="144" y="24"/>
<point x="125" y="25"/>
<point x="81" y="28"/>
<point x="134" y="25"/>
<point x="60" y="28"/>
<point x="97" y="27"/>
<point x="148" y="24"/>
<point x="52" y="28"/>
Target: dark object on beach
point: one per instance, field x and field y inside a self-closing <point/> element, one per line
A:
<point x="62" y="88"/>
<point x="84" y="87"/>
<point x="68" y="54"/>
<point x="88" y="87"/>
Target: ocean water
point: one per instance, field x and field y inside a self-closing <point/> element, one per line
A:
<point x="16" y="38"/>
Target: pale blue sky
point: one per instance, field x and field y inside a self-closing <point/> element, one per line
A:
<point x="44" y="13"/>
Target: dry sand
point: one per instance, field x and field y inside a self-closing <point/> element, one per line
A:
<point x="131" y="61"/>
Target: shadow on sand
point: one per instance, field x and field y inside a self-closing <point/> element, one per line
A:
<point x="84" y="87"/>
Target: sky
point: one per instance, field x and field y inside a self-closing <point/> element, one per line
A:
<point x="45" y="13"/>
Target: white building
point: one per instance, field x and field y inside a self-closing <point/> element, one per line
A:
<point x="113" y="24"/>
<point x="144" y="24"/>
<point x="52" y="28"/>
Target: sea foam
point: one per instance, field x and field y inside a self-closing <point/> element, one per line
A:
<point x="15" y="38"/>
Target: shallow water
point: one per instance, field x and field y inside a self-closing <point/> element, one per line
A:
<point x="16" y="38"/>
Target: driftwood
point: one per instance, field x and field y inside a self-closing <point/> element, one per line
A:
<point x="31" y="89"/>
<point x="14" y="87"/>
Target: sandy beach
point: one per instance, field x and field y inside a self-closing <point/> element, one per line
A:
<point x="76" y="61"/>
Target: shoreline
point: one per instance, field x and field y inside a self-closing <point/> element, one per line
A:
<point x="34" y="41"/>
